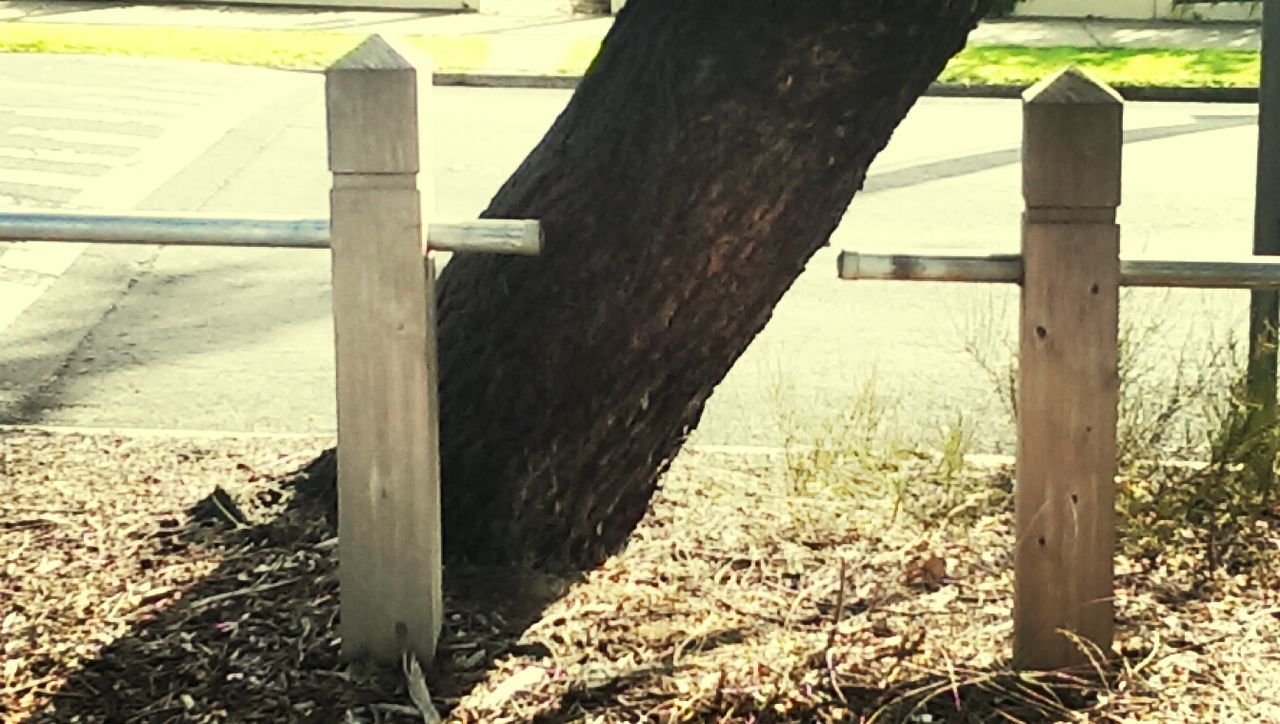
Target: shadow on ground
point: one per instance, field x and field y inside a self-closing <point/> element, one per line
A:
<point x="985" y="161"/>
<point x="256" y="639"/>
<point x="990" y="696"/>
<point x="205" y="335"/>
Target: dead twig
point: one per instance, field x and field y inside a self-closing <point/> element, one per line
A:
<point x="250" y="591"/>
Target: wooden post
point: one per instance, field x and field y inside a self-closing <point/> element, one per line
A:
<point x="1068" y="386"/>
<point x="383" y="308"/>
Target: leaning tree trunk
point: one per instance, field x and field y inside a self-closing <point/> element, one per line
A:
<point x="710" y="150"/>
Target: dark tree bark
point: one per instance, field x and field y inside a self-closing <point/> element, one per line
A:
<point x="710" y="150"/>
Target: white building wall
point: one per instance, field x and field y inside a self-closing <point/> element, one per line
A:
<point x="1138" y="10"/>
<point x="1123" y="9"/>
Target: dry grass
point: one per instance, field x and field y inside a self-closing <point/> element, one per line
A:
<point x="737" y="600"/>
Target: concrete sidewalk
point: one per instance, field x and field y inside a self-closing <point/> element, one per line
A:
<point x="550" y="30"/>
<point x="241" y="339"/>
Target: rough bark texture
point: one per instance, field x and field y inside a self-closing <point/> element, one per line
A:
<point x="711" y="149"/>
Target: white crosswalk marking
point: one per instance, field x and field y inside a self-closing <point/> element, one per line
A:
<point x="55" y="155"/>
<point x="45" y="259"/>
<point x="39" y="178"/>
<point x="15" y="297"/>
<point x="66" y="135"/>
<point x="103" y="133"/>
<point x="73" y="113"/>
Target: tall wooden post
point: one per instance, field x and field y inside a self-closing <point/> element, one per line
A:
<point x="388" y="466"/>
<point x="1068" y="386"/>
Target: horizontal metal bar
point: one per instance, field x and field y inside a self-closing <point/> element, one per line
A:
<point x="170" y="229"/>
<point x="1253" y="272"/>
<point x="1250" y="272"/>
<point x="492" y="236"/>
<point x="932" y="267"/>
<point x="499" y="236"/>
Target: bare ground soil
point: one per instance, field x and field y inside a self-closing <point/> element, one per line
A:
<point x="167" y="579"/>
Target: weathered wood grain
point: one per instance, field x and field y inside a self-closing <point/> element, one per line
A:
<point x="1068" y="381"/>
<point x="388" y="465"/>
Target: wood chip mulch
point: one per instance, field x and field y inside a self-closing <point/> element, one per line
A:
<point x="183" y="580"/>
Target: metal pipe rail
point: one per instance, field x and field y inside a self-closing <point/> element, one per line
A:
<point x="503" y="236"/>
<point x="1251" y="272"/>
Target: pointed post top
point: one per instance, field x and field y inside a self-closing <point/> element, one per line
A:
<point x="1074" y="86"/>
<point x="375" y="53"/>
<point x="375" y="98"/>
<point x="1072" y="135"/>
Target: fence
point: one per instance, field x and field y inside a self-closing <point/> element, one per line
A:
<point x="1070" y="272"/>
<point x="383" y="300"/>
<point x="385" y="338"/>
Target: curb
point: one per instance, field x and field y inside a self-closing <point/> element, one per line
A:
<point x="1165" y="94"/>
<point x="1162" y="94"/>
<point x="506" y="80"/>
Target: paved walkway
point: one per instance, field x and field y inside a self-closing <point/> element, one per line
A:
<point x="131" y="336"/>
<point x="241" y="340"/>
<point x="106" y="133"/>
<point x="570" y="29"/>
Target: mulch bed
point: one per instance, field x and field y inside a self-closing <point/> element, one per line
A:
<point x="167" y="579"/>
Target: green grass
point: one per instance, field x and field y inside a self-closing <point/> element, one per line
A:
<point x="269" y="48"/>
<point x="285" y="49"/>
<point x="313" y="50"/>
<point x="1011" y="64"/>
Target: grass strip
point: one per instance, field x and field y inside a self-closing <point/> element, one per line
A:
<point x="1020" y="65"/>
<point x="549" y="55"/>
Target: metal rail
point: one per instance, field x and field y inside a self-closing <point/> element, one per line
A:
<point x="1251" y="272"/>
<point x="502" y="236"/>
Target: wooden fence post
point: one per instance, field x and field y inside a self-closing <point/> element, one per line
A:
<point x="384" y="309"/>
<point x="1068" y="381"/>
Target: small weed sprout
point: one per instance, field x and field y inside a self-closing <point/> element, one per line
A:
<point x="857" y="446"/>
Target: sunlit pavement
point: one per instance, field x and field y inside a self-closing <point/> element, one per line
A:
<point x="221" y="339"/>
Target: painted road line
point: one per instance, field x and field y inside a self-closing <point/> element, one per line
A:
<point x="119" y="93"/>
<point x="79" y="114"/>
<point x="64" y="135"/>
<point x="322" y="436"/>
<point x="89" y="102"/>
<point x="41" y="143"/>
<point x="135" y="127"/>
<point x="45" y="258"/>
<point x="27" y="196"/>
<point x="79" y="169"/>
<point x="34" y="106"/>
<point x="58" y="155"/>
<point x="173" y="151"/>
<point x="142" y="156"/>
<point x="45" y="178"/>
<point x="15" y="297"/>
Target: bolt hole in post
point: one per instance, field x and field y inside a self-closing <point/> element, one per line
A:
<point x="1072" y="136"/>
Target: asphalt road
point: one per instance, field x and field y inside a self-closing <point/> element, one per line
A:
<point x="97" y="133"/>
<point x="241" y="340"/>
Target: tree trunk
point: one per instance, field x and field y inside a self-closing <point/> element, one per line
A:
<point x="710" y="150"/>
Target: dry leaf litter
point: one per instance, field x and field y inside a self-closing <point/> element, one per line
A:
<point x="174" y="580"/>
